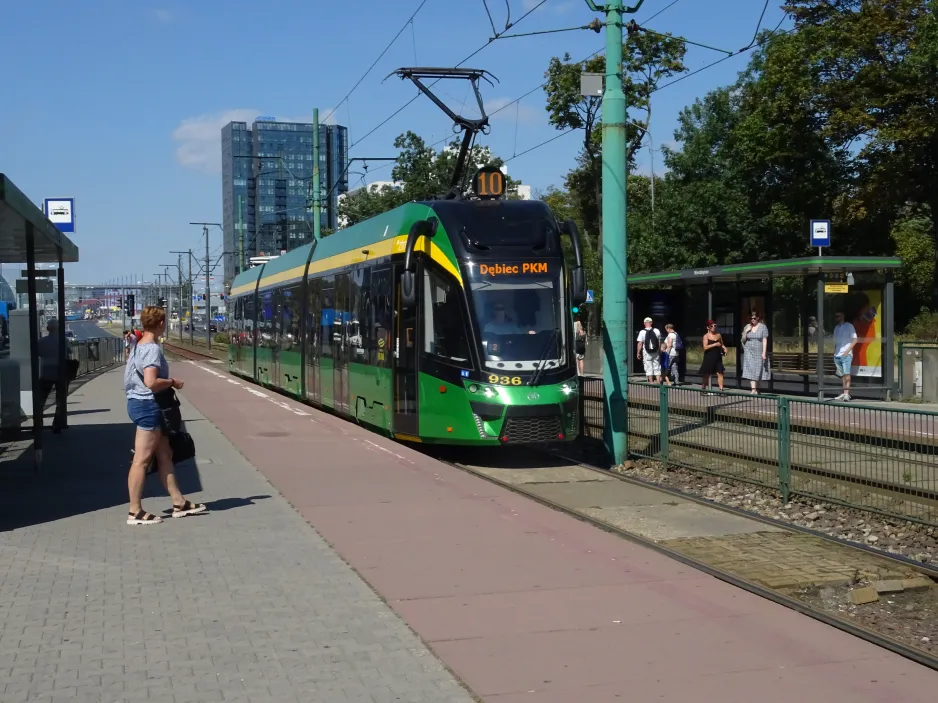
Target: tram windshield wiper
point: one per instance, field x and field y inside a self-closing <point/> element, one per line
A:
<point x="542" y="359"/>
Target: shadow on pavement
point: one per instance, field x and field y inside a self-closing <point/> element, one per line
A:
<point x="509" y="457"/>
<point x="84" y="469"/>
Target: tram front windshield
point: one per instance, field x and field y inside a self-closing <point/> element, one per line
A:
<point x="520" y="319"/>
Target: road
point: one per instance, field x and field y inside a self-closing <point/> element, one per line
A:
<point x="86" y="329"/>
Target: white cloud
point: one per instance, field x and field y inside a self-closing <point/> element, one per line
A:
<point x="198" y="139"/>
<point x="162" y="15"/>
<point x="514" y="111"/>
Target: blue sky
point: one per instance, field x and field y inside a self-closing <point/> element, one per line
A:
<point x="120" y="103"/>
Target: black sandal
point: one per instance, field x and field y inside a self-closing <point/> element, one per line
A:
<point x="143" y="518"/>
<point x="188" y="508"/>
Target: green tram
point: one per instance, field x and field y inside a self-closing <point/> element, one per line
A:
<point x="444" y="321"/>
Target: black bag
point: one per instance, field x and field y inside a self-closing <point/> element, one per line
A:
<point x="72" y="368"/>
<point x="580" y="347"/>
<point x="180" y="441"/>
<point x="652" y="345"/>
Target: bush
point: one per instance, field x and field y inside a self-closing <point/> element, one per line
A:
<point x="924" y="326"/>
<point x="221" y="337"/>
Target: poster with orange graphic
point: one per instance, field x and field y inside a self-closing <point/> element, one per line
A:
<point x="864" y="309"/>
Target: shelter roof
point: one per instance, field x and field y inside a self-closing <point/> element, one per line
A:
<point x="15" y="211"/>
<point x="758" y="270"/>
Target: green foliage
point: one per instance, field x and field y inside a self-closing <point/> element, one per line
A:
<point x="422" y="172"/>
<point x="924" y="327"/>
<point x="646" y="60"/>
<point x="914" y="238"/>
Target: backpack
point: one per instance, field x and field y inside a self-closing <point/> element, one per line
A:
<point x="678" y="342"/>
<point x="652" y="345"/>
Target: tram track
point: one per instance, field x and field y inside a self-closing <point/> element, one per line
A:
<point x="188" y="354"/>
<point x="775" y="595"/>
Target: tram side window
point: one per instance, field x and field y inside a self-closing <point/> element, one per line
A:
<point x="313" y="311"/>
<point x="379" y="321"/>
<point x="327" y="317"/>
<point x="444" y="326"/>
<point x="265" y="319"/>
<point x="358" y="284"/>
<point x="247" y="321"/>
<point x="234" y="332"/>
<point x="290" y="318"/>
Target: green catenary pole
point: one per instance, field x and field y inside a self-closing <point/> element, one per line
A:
<point x="317" y="203"/>
<point x="615" y="241"/>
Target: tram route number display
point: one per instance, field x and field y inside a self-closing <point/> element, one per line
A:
<point x="504" y="380"/>
<point x="488" y="182"/>
<point x="512" y="269"/>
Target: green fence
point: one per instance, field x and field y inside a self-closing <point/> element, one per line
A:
<point x="881" y="459"/>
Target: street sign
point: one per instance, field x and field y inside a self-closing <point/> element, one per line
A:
<point x="40" y="273"/>
<point x="61" y="213"/>
<point x="589" y="296"/>
<point x="820" y="233"/>
<point x="43" y="285"/>
<point x="836" y="288"/>
<point x="591" y="85"/>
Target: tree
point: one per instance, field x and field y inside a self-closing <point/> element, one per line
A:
<point x="422" y="173"/>
<point x="646" y="59"/>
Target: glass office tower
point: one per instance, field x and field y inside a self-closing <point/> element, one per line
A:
<point x="267" y="173"/>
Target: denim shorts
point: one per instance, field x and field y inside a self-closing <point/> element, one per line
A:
<point x="843" y="364"/>
<point x="145" y="413"/>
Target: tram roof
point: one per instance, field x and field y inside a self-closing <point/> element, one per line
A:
<point x="757" y="270"/>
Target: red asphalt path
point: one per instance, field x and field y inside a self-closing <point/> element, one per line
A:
<point x="525" y="603"/>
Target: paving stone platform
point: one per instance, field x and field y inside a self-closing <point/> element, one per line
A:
<point x="245" y="603"/>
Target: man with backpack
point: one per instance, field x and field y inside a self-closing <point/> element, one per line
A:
<point x="649" y="349"/>
<point x="673" y="347"/>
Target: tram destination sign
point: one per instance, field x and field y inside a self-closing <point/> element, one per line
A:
<point x="513" y="269"/>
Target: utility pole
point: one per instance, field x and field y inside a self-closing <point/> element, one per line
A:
<point x="616" y="331"/>
<point x="188" y="253"/>
<point x="179" y="271"/>
<point x="317" y="193"/>
<point x="208" y="294"/>
<point x="208" y="282"/>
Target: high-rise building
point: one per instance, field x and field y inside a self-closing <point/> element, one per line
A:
<point x="267" y="171"/>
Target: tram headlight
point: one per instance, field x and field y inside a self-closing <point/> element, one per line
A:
<point x="567" y="389"/>
<point x="489" y="393"/>
<point x="473" y="388"/>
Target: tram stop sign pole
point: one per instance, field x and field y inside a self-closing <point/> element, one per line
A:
<point x="615" y="241"/>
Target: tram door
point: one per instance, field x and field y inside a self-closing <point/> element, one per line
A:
<point x="340" y="338"/>
<point x="405" y="362"/>
<point x="313" y="330"/>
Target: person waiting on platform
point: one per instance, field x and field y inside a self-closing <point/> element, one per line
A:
<point x="649" y="349"/>
<point x="714" y="349"/>
<point x="49" y="371"/>
<point x="755" y="352"/>
<point x="146" y="374"/>
<point x="845" y="339"/>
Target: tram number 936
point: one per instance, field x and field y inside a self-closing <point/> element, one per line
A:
<point x="505" y="380"/>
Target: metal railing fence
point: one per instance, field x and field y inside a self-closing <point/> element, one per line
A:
<point x="98" y="353"/>
<point x="879" y="459"/>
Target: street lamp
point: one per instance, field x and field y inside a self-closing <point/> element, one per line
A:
<point x="208" y="282"/>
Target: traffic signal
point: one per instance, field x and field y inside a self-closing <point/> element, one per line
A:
<point x="131" y="306"/>
<point x="162" y="302"/>
<point x="120" y="301"/>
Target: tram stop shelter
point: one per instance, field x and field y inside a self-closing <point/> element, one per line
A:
<point x="797" y="298"/>
<point x="28" y="236"/>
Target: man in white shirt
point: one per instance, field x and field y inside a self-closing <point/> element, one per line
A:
<point x="845" y="339"/>
<point x="649" y="349"/>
